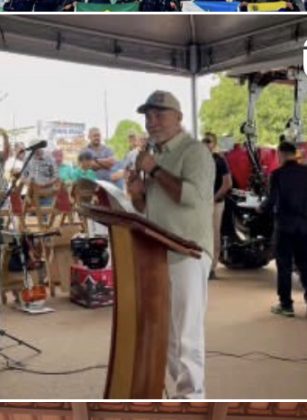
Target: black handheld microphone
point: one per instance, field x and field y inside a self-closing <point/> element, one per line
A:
<point x="39" y="145"/>
<point x="150" y="148"/>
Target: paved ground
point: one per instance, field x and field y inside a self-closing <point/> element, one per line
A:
<point x="238" y="321"/>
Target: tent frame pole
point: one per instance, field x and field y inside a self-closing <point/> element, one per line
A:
<point x="194" y="106"/>
<point x="193" y="68"/>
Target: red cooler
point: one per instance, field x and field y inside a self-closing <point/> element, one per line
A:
<point x="91" y="288"/>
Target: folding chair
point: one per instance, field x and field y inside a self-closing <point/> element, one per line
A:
<point x="84" y="191"/>
<point x="17" y="205"/>
<point x="63" y="207"/>
<point x="39" y="206"/>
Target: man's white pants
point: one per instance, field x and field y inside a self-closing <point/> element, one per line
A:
<point x="186" y="352"/>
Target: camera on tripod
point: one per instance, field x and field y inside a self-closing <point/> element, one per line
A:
<point x="93" y="252"/>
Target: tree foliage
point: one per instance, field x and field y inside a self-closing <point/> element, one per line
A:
<point x="119" y="140"/>
<point x="226" y="110"/>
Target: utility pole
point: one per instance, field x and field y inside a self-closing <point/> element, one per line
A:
<point x="3" y="96"/>
<point x="106" y="114"/>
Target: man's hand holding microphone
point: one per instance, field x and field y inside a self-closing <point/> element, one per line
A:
<point x="136" y="182"/>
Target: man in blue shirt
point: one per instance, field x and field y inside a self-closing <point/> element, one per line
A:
<point x="103" y="156"/>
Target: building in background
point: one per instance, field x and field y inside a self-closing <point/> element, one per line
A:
<point x="69" y="136"/>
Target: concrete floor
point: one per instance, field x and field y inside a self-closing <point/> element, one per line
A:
<point x="238" y="321"/>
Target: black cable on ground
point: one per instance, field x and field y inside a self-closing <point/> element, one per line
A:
<point x="42" y="372"/>
<point x="256" y="356"/>
<point x="249" y="356"/>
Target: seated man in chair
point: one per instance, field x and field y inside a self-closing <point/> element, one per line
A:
<point x="41" y="177"/>
<point x="42" y="171"/>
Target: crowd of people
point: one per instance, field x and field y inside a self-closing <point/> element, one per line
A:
<point x="69" y="5"/>
<point x="95" y="162"/>
<point x="142" y="5"/>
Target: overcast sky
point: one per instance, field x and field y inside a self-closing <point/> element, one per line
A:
<point x="41" y="89"/>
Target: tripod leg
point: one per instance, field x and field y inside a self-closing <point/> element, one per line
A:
<point x="9" y="360"/>
<point x="3" y="333"/>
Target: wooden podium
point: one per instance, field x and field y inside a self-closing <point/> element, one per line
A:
<point x="141" y="310"/>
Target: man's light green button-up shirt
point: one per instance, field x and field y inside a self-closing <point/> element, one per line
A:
<point x="192" y="218"/>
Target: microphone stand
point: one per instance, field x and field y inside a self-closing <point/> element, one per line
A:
<point x="16" y="179"/>
<point x="11" y="362"/>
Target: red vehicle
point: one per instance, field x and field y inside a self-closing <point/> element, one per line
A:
<point x="247" y="236"/>
<point x="241" y="167"/>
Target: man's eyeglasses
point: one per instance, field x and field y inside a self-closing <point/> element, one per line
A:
<point x="207" y="141"/>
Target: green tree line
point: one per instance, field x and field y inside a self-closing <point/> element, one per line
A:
<point x="226" y="110"/>
<point x="119" y="141"/>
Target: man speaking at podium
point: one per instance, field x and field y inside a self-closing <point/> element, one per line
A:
<point x="173" y="185"/>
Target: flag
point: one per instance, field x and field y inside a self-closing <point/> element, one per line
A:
<point x="96" y="7"/>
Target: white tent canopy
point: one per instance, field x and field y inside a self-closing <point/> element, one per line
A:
<point x="175" y="44"/>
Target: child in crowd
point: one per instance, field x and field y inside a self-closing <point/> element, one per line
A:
<point x="85" y="160"/>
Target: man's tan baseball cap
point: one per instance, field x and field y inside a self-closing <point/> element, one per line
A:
<point x="160" y="99"/>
